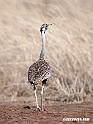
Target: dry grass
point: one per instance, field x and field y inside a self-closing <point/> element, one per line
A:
<point x="69" y="49"/>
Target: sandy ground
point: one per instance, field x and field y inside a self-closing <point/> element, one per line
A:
<point x="25" y="114"/>
<point x="69" y="48"/>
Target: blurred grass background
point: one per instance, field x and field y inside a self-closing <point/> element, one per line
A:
<point x="69" y="49"/>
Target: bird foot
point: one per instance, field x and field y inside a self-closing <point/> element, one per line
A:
<point x="38" y="108"/>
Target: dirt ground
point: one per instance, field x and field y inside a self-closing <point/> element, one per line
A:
<point x="24" y="114"/>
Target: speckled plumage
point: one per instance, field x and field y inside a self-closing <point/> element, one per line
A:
<point x="38" y="71"/>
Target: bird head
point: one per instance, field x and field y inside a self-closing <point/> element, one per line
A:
<point x="44" y="27"/>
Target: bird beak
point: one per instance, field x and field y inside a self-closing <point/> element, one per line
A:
<point x="50" y="24"/>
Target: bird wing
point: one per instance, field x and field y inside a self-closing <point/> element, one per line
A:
<point x="39" y="71"/>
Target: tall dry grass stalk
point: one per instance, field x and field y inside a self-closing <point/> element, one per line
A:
<point x="69" y="49"/>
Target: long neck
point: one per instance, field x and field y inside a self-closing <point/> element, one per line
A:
<point x="43" y="45"/>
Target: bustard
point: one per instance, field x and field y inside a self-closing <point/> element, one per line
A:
<point x="40" y="70"/>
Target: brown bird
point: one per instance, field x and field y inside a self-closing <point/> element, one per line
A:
<point x="40" y="70"/>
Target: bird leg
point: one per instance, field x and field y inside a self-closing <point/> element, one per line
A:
<point x="42" y="96"/>
<point x="36" y="98"/>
